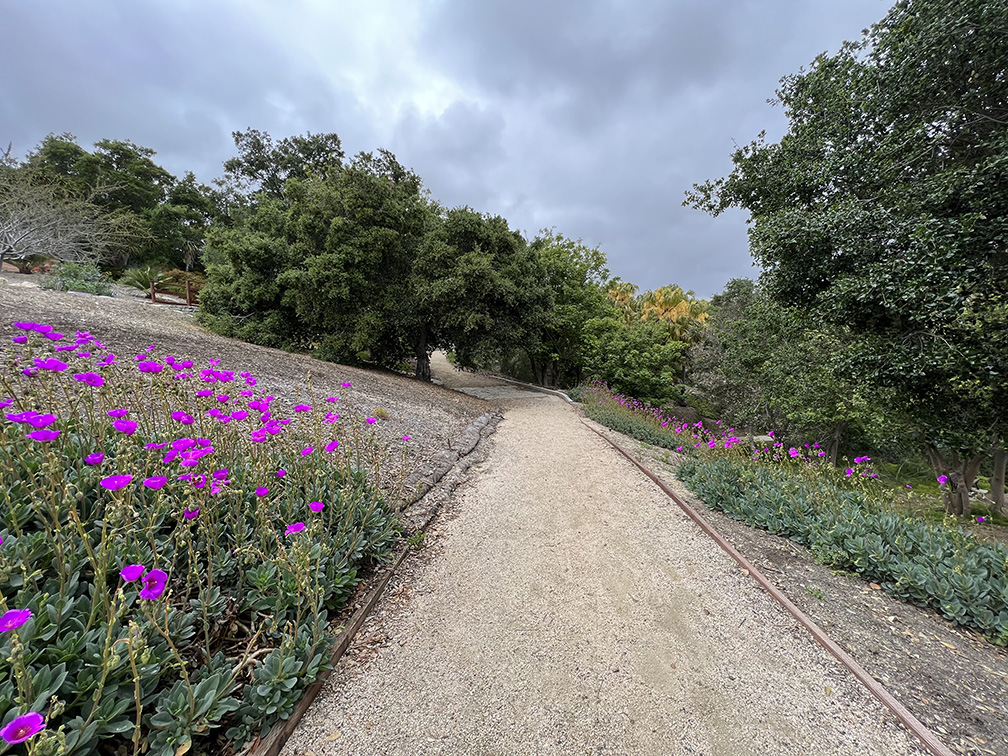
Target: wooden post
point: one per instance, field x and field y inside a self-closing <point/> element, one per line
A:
<point x="153" y="296"/>
<point x="188" y="294"/>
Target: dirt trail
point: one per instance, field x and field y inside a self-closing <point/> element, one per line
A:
<point x="568" y="608"/>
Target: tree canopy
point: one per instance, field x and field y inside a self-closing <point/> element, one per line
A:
<point x="884" y="209"/>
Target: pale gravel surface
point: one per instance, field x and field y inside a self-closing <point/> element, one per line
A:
<point x="565" y="606"/>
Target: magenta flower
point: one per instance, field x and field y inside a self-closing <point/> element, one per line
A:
<point x="331" y="417"/>
<point x="156" y="482"/>
<point x="332" y="398"/>
<point x="19" y="339"/>
<point x="295" y="527"/>
<point x="50" y="363"/>
<point x="94" y="459"/>
<point x="307" y="450"/>
<point x="43" y="435"/>
<point x="223" y="398"/>
<point x="91" y="379"/>
<point x="150" y="366"/>
<point x="370" y="420"/>
<point x="131" y="572"/>
<point x="117" y="413"/>
<point x="125" y="426"/>
<point x="220" y="474"/>
<point x="316" y="506"/>
<point x="7" y="402"/>
<point x="23" y="727"/>
<point x="53" y="335"/>
<point x="154" y="584"/>
<point x="981" y="518"/>
<point x="24" y="325"/>
<point x="190" y="514"/>
<point x="182" y="417"/>
<point x="181" y="444"/>
<point x="153" y="445"/>
<point x="13" y="619"/>
<point x="406" y="438"/>
<point x="345" y="384"/>
<point x="262" y="491"/>
<point x="281" y="472"/>
<point x="302" y="407"/>
<point x="239" y="415"/>
<point x="41" y="328"/>
<point x="942" y="479"/>
<point x="199" y="481"/>
<point x="331" y="446"/>
<point x="108" y="360"/>
<point x="204" y="392"/>
<point x="115" y="482"/>
<point x="41" y="421"/>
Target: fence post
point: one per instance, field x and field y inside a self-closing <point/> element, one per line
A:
<point x="153" y="296"/>
<point x="188" y="294"/>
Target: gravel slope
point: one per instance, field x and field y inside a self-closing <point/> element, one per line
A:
<point x="565" y="607"/>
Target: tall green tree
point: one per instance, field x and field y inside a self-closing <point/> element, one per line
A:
<point x="884" y="209"/>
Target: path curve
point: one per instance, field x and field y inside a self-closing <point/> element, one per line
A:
<point x="568" y="608"/>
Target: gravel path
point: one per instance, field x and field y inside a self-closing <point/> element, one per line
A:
<point x="566" y="607"/>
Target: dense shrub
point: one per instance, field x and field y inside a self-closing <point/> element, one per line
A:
<point x="83" y="277"/>
<point x="947" y="569"/>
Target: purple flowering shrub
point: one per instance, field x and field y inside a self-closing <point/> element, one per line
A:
<point x="143" y="576"/>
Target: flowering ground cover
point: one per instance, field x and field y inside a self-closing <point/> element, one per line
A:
<point x="174" y="545"/>
<point x="842" y="514"/>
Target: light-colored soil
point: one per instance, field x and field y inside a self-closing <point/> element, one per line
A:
<point x="565" y="607"/>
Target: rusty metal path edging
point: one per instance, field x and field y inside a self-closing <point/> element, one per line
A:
<point x="928" y="738"/>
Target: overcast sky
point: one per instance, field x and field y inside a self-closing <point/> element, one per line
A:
<point x="589" y="116"/>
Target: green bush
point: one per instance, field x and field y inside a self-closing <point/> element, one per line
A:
<point x="83" y="277"/>
<point x="933" y="565"/>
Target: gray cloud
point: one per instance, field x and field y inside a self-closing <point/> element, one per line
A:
<point x="591" y="117"/>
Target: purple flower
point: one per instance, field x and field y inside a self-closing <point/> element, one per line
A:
<point x="23" y="727"/>
<point x="53" y="335"/>
<point x="115" y="482"/>
<point x="239" y="415"/>
<point x="13" y="619"/>
<point x="24" y="325"/>
<point x="281" y="472"/>
<point x="204" y="392"/>
<point x="307" y="450"/>
<point x="131" y="572"/>
<point x="150" y="366"/>
<point x="345" y="384"/>
<point x="220" y="474"/>
<point x="125" y="426"/>
<point x="981" y="518"/>
<point x="117" y="413"/>
<point x="41" y="328"/>
<point x="91" y="379"/>
<point x="332" y="398"/>
<point x="41" y="421"/>
<point x="942" y="479"/>
<point x="95" y="458"/>
<point x="108" y="360"/>
<point x="50" y="363"/>
<point x="181" y="444"/>
<point x="19" y="339"/>
<point x="302" y="407"/>
<point x="153" y="445"/>
<point x="182" y="417"/>
<point x="331" y="446"/>
<point x="154" y="584"/>
<point x="406" y="438"/>
<point x="331" y="417"/>
<point x="43" y="435"/>
<point x="262" y="491"/>
<point x="156" y="482"/>
<point x="190" y="514"/>
<point x="295" y="527"/>
<point x="316" y="506"/>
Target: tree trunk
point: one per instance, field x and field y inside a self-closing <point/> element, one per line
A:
<point x="532" y="365"/>
<point x="997" y="481"/>
<point x="422" y="355"/>
<point x="961" y="475"/>
<point x="834" y="443"/>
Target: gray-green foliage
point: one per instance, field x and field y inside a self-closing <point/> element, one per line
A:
<point x="84" y="277"/>
<point x="946" y="569"/>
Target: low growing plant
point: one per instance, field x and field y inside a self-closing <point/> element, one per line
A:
<point x="173" y="546"/>
<point x="73" y="276"/>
